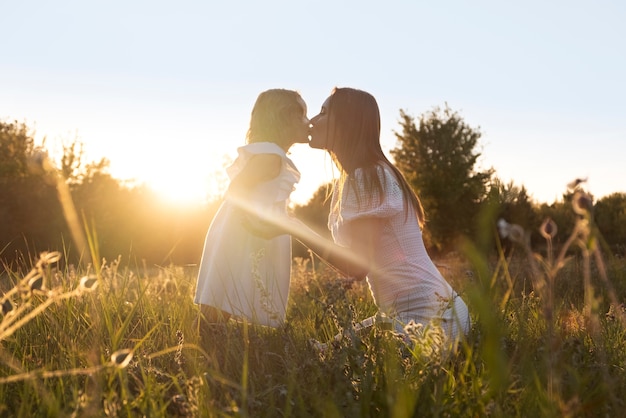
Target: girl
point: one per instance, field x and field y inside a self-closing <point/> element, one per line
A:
<point x="241" y="274"/>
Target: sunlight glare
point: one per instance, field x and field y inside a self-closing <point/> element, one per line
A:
<point x="177" y="190"/>
<point x="178" y="178"/>
<point x="188" y="185"/>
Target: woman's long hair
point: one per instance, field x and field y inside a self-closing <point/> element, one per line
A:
<point x="354" y="142"/>
<point x="275" y="117"/>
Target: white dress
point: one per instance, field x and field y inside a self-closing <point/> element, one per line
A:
<point x="241" y="273"/>
<point x="404" y="282"/>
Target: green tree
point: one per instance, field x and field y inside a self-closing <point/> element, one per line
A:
<point x="610" y="218"/>
<point x="124" y="220"/>
<point x="513" y="202"/>
<point x="30" y="214"/>
<point x="16" y="145"/>
<point x="438" y="157"/>
<point x="72" y="162"/>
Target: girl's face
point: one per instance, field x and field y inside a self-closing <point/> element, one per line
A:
<point x="302" y="136"/>
<point x="299" y="131"/>
<point x="319" y="130"/>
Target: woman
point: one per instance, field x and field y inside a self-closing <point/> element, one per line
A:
<point x="376" y="221"/>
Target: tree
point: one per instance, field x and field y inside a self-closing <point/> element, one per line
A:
<point x="123" y="220"/>
<point x="29" y="210"/>
<point x="16" y="145"/>
<point x="610" y="217"/>
<point x="512" y="204"/>
<point x="72" y="161"/>
<point x="438" y="158"/>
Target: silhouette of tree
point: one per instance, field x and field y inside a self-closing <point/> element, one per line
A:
<point x="610" y="218"/>
<point x="438" y="157"/>
<point x="30" y="213"/>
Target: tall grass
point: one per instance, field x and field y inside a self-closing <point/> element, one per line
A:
<point x="548" y="340"/>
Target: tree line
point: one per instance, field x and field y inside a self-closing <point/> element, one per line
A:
<point x="437" y="152"/>
<point x="118" y="219"/>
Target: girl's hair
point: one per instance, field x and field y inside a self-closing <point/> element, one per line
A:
<point x="276" y="117"/>
<point x="354" y="142"/>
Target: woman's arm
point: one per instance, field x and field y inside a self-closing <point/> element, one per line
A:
<point x="355" y="261"/>
<point x="364" y="237"/>
<point x="352" y="262"/>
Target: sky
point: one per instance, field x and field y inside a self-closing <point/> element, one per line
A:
<point x="164" y="90"/>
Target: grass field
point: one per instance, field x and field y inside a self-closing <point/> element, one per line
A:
<point x="548" y="341"/>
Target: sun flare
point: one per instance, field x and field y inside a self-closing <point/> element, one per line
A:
<point x="187" y="186"/>
<point x="177" y="179"/>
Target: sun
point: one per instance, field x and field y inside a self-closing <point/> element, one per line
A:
<point x="177" y="190"/>
<point x="181" y="180"/>
<point x="188" y="172"/>
<point x="187" y="186"/>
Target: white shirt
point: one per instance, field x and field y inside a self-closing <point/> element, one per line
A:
<point x="404" y="281"/>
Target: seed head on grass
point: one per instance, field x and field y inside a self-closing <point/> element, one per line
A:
<point x="513" y="232"/>
<point x="425" y="342"/>
<point x="615" y="311"/>
<point x="36" y="284"/>
<point x="573" y="185"/>
<point x="548" y="229"/>
<point x="582" y="203"/>
<point x="20" y="307"/>
<point x="121" y="358"/>
<point x="88" y="283"/>
<point x="7" y="307"/>
<point x="46" y="258"/>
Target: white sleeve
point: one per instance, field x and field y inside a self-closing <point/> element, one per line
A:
<point x="361" y="200"/>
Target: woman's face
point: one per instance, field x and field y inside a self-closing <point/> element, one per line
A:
<point x="319" y="130"/>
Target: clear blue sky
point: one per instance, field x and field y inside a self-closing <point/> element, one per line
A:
<point x="164" y="89"/>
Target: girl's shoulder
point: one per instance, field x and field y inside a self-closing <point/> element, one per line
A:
<point x="264" y="157"/>
<point x="260" y="148"/>
<point x="259" y="152"/>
